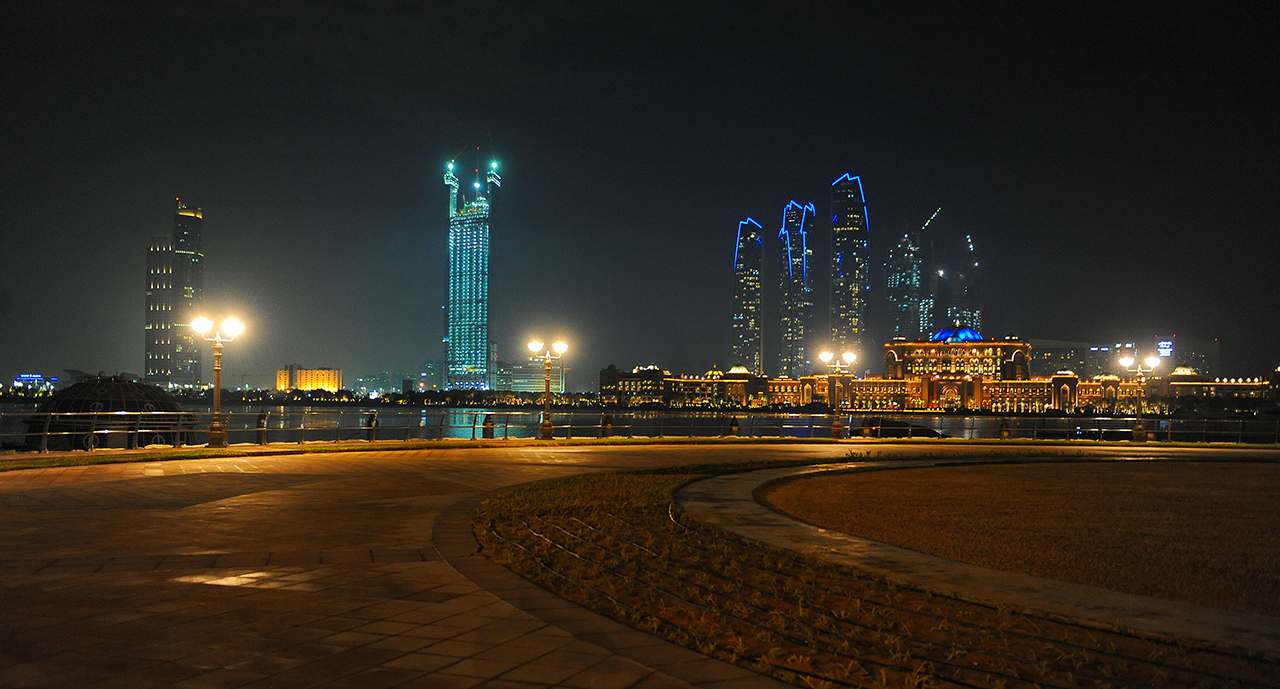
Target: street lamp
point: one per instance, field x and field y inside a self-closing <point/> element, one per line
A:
<point x="1130" y="364"/>
<point x="226" y="333"/>
<point x="834" y="366"/>
<point x="547" y="357"/>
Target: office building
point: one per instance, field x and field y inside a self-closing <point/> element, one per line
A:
<point x="903" y="288"/>
<point x="1199" y="355"/>
<point x="849" y="264"/>
<point x="532" y="376"/>
<point x="1050" y="356"/>
<point x="795" y="288"/>
<point x="175" y="297"/>
<point x="297" y="378"/>
<point x="748" y="264"/>
<point x="467" y="343"/>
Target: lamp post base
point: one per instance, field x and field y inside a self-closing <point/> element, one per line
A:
<point x="217" y="437"/>
<point x="1139" y="433"/>
<point x="547" y="429"/>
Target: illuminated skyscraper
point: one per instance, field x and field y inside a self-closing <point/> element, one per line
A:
<point x="175" y="296"/>
<point x="849" y="269"/>
<point x="748" y="263"/>
<point x="902" y="287"/>
<point x="795" y="287"/>
<point x="467" y="319"/>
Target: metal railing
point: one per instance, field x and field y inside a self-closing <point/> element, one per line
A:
<point x="33" y="431"/>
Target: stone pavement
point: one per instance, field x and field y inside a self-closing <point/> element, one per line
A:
<point x="345" y="569"/>
<point x="729" y="502"/>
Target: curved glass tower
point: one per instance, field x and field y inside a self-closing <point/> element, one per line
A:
<point x="795" y="288"/>
<point x="748" y="263"/>
<point x="849" y="269"/>
<point x="467" y="314"/>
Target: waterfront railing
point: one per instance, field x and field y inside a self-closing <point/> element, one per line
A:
<point x="33" y="431"/>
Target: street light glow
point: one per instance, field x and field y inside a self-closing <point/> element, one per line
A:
<point x="232" y="327"/>
<point x="535" y="346"/>
<point x="1126" y="361"/>
<point x="560" y="347"/>
<point x="201" y="325"/>
<point x="825" y="357"/>
<point x="849" y="357"/>
<point x="1152" y="361"/>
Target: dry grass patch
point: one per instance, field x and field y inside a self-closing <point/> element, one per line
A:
<point x="617" y="543"/>
<point x="1201" y="532"/>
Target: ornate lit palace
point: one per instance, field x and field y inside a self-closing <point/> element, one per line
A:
<point x="954" y="368"/>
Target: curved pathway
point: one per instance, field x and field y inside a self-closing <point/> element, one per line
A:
<point x="344" y="569"/>
<point x="729" y="502"/>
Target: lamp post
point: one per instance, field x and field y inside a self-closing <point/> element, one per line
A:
<point x="1131" y="365"/>
<point x="835" y="365"/>
<point x="226" y="333"/>
<point x="547" y="357"/>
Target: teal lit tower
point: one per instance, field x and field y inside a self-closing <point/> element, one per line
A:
<point x="795" y="288"/>
<point x="849" y="267"/>
<point x="467" y="314"/>
<point x="748" y="263"/>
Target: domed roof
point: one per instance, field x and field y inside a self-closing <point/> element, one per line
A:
<point x="107" y="394"/>
<point x="956" y="334"/>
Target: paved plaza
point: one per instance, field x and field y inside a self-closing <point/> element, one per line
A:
<point x="342" y="569"/>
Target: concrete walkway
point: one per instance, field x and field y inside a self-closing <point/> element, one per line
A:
<point x="729" y="502"/>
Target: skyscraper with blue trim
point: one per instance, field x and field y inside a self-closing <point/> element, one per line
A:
<point x="795" y="288"/>
<point x="850" y="277"/>
<point x="748" y="264"/>
<point x="467" y="315"/>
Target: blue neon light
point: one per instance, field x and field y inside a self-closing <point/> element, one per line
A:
<point x="739" y="244"/>
<point x="861" y="194"/>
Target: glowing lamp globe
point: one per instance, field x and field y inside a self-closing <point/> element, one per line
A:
<point x="232" y="327"/>
<point x="560" y="347"/>
<point x="825" y="357"/>
<point x="535" y="346"/>
<point x="201" y="325"/>
<point x="849" y="357"/>
<point x="1152" y="361"/>
<point x="1126" y="361"/>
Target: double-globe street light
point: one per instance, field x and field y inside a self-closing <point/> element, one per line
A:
<point x="225" y="333"/>
<point x="1133" y="366"/>
<point x="836" y="367"/>
<point x="547" y="357"/>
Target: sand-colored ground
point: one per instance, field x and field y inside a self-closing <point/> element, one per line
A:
<point x="1202" y="532"/>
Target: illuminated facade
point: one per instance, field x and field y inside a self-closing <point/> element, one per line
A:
<point x="903" y="287"/>
<point x="175" y="296"/>
<point x="748" y="264"/>
<point x="467" y="315"/>
<point x="849" y="267"/>
<point x="297" y="378"/>
<point x="795" y="289"/>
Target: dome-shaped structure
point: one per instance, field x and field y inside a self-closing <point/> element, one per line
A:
<point x="108" y="411"/>
<point x="106" y="394"/>
<point x="956" y="334"/>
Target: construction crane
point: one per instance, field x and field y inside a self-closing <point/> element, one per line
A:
<point x="935" y="214"/>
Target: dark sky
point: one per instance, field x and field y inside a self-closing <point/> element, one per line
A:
<point x="1117" y="169"/>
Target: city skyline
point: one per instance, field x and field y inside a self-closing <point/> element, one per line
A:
<point x="1066" y="142"/>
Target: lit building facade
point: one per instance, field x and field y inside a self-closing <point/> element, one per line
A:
<point x="297" y="378"/>
<point x="467" y="343"/>
<point x="1200" y="355"/>
<point x="795" y="288"/>
<point x="640" y="385"/>
<point x="849" y="263"/>
<point x="903" y="287"/>
<point x="748" y="264"/>
<point x="532" y="376"/>
<point x="175" y="297"/>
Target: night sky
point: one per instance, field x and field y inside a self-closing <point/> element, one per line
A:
<point x="1116" y="169"/>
